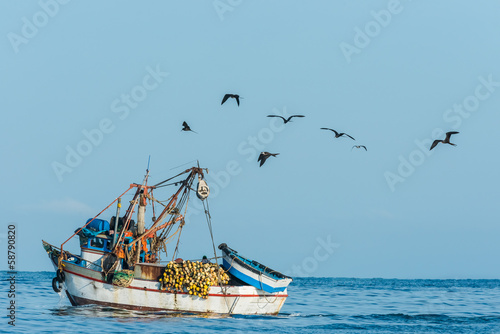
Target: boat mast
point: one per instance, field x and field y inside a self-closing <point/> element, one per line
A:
<point x="117" y="217"/>
<point x="173" y="207"/>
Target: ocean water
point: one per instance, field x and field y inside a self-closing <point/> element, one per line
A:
<point x="314" y="305"/>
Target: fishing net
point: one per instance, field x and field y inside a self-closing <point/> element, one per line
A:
<point x="192" y="277"/>
<point x="123" y="278"/>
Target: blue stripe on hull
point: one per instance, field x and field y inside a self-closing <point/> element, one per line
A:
<point x="250" y="280"/>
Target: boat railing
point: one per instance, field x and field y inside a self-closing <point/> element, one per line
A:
<point x="69" y="255"/>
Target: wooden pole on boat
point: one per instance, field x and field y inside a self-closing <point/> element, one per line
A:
<point x="166" y="210"/>
<point x="141" y="215"/>
<point x="117" y="219"/>
<point x="141" y="223"/>
<point x="128" y="215"/>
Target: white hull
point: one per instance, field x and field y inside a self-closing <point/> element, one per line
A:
<point x="86" y="286"/>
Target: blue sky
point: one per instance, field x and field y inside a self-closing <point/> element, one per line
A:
<point x="115" y="80"/>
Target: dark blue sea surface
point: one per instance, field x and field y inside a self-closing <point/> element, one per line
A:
<point x="314" y="305"/>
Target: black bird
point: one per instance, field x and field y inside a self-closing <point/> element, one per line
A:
<point x="185" y="127"/>
<point x="283" y="118"/>
<point x="338" y="134"/>
<point x="359" y="146"/>
<point x="445" y="141"/>
<point x="263" y="157"/>
<point x="234" y="96"/>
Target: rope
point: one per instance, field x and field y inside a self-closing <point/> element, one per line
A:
<point x="173" y="177"/>
<point x="52" y="248"/>
<point x="209" y="223"/>
<point x="123" y="278"/>
<point x="265" y="296"/>
<point x="94" y="217"/>
<point x="112" y="268"/>
<point x="180" y="228"/>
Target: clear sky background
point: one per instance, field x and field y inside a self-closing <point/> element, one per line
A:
<point x="394" y="75"/>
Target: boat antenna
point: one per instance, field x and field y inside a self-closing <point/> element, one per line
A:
<point x="147" y="173"/>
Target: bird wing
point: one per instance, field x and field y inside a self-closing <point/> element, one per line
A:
<point x="225" y="98"/>
<point x="434" y="143"/>
<point x="347" y="136"/>
<point x="336" y="133"/>
<point x="237" y="100"/>
<point x="185" y="124"/>
<point x="277" y="116"/>
<point x="448" y="135"/>
<point x="262" y="159"/>
<point x="363" y="146"/>
<point x="289" y="118"/>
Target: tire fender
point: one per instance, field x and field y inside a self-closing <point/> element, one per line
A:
<point x="56" y="285"/>
<point x="60" y="275"/>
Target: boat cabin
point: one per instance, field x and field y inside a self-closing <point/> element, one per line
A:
<point x="96" y="240"/>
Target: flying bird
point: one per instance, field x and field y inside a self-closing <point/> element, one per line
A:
<point x="445" y="141"/>
<point x="287" y="119"/>
<point x="185" y="127"/>
<point x="263" y="157"/>
<point x="359" y="146"/>
<point x="234" y="96"/>
<point x="337" y="135"/>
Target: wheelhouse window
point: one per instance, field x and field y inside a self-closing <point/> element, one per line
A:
<point x="97" y="243"/>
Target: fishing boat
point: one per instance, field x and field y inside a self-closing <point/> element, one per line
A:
<point x="125" y="264"/>
<point x="252" y="272"/>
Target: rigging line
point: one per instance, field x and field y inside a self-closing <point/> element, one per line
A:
<point x="169" y="184"/>
<point x="159" y="202"/>
<point x="95" y="217"/>
<point x="172" y="213"/>
<point x="168" y="199"/>
<point x="130" y="210"/>
<point x="265" y="296"/>
<point x="180" y="204"/>
<point x="173" y="177"/>
<point x="74" y="255"/>
<point x="181" y="224"/>
<point x="183" y="164"/>
<point x="170" y="237"/>
<point x="209" y="223"/>
<point x="173" y="201"/>
<point x="153" y="203"/>
<point x="156" y="226"/>
<point x="125" y="227"/>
